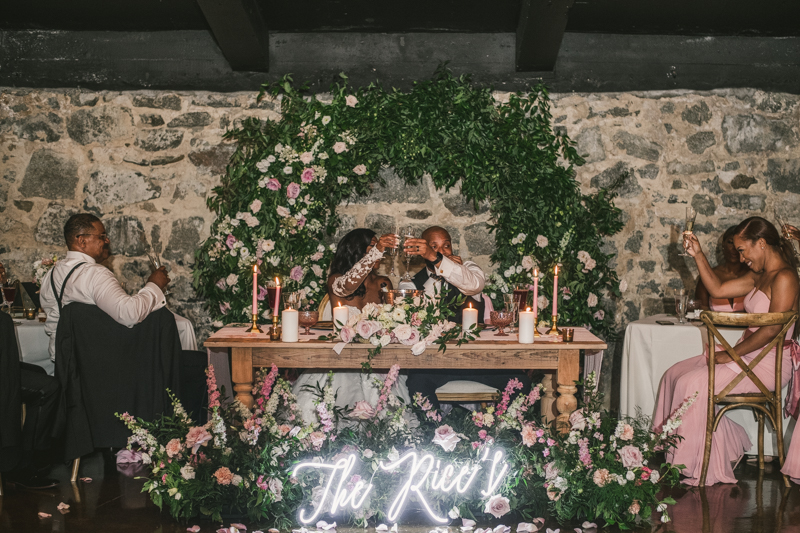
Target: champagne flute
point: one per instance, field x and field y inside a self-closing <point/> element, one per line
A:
<point x="785" y="233"/>
<point x="408" y="233"/>
<point x="691" y="215"/>
<point x="392" y="252"/>
<point x="153" y="257"/>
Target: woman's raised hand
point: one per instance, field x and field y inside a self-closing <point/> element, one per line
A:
<point x="691" y="244"/>
<point x="792" y="232"/>
<point x="389" y="240"/>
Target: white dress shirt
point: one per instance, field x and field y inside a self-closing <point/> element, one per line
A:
<point x="94" y="284"/>
<point x="468" y="278"/>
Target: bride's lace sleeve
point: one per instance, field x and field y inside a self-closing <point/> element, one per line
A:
<point x="346" y="284"/>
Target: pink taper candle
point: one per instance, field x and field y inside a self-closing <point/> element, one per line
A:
<point x="555" y="292"/>
<point x="277" y="296"/>
<point x="535" y="293"/>
<point x="255" y="289"/>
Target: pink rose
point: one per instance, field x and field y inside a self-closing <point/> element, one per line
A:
<point x="197" y="436"/>
<point x="351" y="100"/>
<point x="317" y="256"/>
<point x="306" y="157"/>
<point x="367" y="328"/>
<point x="360" y="170"/>
<point x="446" y="437"/>
<point x="634" y="508"/>
<point x="363" y="411"/>
<point x="528" y="435"/>
<point x="631" y="456"/>
<point x="317" y="439"/>
<point x="293" y="190"/>
<point x="230" y="241"/>
<point x="297" y="273"/>
<point x="413" y="337"/>
<point x="224" y="476"/>
<point x="497" y="506"/>
<point x="261" y="484"/>
<point x="339" y="147"/>
<point x="273" y="184"/>
<point x="174" y="447"/>
<point x="347" y="334"/>
<point x="307" y="176"/>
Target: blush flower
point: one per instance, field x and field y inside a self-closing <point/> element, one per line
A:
<point x="197" y="436"/>
<point x="297" y="273"/>
<point x="601" y="477"/>
<point x="446" y="437"/>
<point x="306" y="157"/>
<point x="307" y="176"/>
<point x="362" y="411"/>
<point x="347" y="334"/>
<point x="224" y="476"/>
<point x="351" y="100"/>
<point x="631" y="456"/>
<point x="282" y="211"/>
<point x="634" y="508"/>
<point x="497" y="506"/>
<point x="577" y="420"/>
<point x="255" y="206"/>
<point x="317" y="439"/>
<point x="528" y="435"/>
<point x="273" y="184"/>
<point x="591" y="301"/>
<point x="174" y="447"/>
<point x="293" y="190"/>
<point x="541" y="241"/>
<point x="600" y="314"/>
<point x="360" y="170"/>
<point x="339" y="147"/>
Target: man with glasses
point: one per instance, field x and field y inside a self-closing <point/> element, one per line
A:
<point x="81" y="278"/>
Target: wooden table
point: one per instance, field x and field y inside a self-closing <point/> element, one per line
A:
<point x="255" y="350"/>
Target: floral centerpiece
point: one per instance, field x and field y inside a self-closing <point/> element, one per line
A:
<point x="42" y="266"/>
<point x="267" y="464"/>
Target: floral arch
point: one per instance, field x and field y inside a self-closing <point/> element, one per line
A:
<point x="277" y="201"/>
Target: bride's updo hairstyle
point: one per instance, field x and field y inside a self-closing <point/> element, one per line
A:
<point x="755" y="228"/>
<point x="350" y="250"/>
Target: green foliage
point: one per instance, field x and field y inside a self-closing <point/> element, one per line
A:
<point x="503" y="151"/>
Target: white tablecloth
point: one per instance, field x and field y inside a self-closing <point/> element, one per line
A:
<point x="33" y="342"/>
<point x="650" y="349"/>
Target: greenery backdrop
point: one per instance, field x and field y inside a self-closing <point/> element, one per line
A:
<point x="278" y="198"/>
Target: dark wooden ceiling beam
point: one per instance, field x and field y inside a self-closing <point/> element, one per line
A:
<point x="539" y="33"/>
<point x="240" y="31"/>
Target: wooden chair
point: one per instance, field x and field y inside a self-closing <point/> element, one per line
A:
<point x="765" y="402"/>
<point x="325" y="303"/>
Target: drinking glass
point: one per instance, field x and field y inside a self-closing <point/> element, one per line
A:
<point x="408" y="233"/>
<point x="691" y="215"/>
<point x="785" y="233"/>
<point x="155" y="262"/>
<point x="680" y="307"/>
<point x="392" y="252"/>
<point x="307" y="319"/>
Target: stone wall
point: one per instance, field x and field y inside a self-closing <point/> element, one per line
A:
<point x="145" y="161"/>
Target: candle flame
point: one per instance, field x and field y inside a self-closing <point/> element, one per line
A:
<point x="278" y="282"/>
<point x="556" y="270"/>
<point x="255" y="268"/>
<point x="338" y="304"/>
<point x="470" y="305"/>
<point x="529" y="309"/>
<point x="536" y="272"/>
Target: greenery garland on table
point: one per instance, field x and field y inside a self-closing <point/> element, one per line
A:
<point x="278" y="199"/>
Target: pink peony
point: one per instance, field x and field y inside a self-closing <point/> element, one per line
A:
<point x="363" y="410"/>
<point x="351" y="100"/>
<point x="197" y="436"/>
<point x="497" y="506"/>
<point x="293" y="190"/>
<point x="360" y="170"/>
<point x="347" y="334"/>
<point x="317" y="439"/>
<point x="601" y="477"/>
<point x="230" y="241"/>
<point x="307" y="176"/>
<point x="631" y="456"/>
<point x="273" y="184"/>
<point x="297" y="273"/>
<point x="446" y="437"/>
<point x="627" y="432"/>
<point x="339" y="147"/>
<point x="528" y="435"/>
<point x="224" y="476"/>
<point x="174" y="447"/>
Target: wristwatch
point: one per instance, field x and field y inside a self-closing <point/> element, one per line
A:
<point x="438" y="259"/>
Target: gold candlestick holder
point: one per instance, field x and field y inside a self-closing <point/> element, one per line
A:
<point x="275" y="333"/>
<point x="536" y="327"/>
<point x="554" y="330"/>
<point x="255" y="328"/>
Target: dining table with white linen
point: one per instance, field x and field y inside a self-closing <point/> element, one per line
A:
<point x="650" y="349"/>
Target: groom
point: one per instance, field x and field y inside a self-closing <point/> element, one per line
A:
<point x="452" y="277"/>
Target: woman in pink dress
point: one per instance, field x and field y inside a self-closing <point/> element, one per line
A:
<point x="771" y="285"/>
<point x="730" y="268"/>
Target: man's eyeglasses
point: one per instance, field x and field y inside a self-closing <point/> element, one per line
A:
<point x="101" y="236"/>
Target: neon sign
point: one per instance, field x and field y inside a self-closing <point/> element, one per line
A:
<point x="419" y="468"/>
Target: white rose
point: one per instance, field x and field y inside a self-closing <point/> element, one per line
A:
<point x="268" y="245"/>
<point x="591" y="301"/>
<point x="317" y="270"/>
<point x="187" y="472"/>
<point x="255" y="207"/>
<point x="232" y="280"/>
<point x="446" y="437"/>
<point x="497" y="506"/>
<point x="542" y="241"/>
<point x="287" y="170"/>
<point x="326" y="120"/>
<point x="527" y="262"/>
<point x="385" y="339"/>
<point x="271" y="158"/>
<point x="630" y="476"/>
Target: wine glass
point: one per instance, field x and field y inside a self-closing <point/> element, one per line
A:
<point x="680" y="307"/>
<point x="408" y="233"/>
<point x="501" y="319"/>
<point x="155" y="262"/>
<point x="511" y="306"/>
<point x="691" y="215"/>
<point x="307" y="319"/>
<point x="8" y="293"/>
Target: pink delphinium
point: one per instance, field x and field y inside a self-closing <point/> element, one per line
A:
<point x="388" y="383"/>
<point x="213" y="393"/>
<point x="325" y="417"/>
<point x="513" y="385"/>
<point x="427" y="407"/>
<point x="583" y="452"/>
<point x="266" y="386"/>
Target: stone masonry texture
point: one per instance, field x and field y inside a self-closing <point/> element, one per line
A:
<point x="145" y="161"/>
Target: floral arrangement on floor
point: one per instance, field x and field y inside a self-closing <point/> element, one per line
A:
<point x="417" y="322"/>
<point x="267" y="464"/>
<point x="42" y="266"/>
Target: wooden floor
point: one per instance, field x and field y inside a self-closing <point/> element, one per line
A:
<point x="112" y="502"/>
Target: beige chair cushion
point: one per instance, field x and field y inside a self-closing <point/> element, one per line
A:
<point x="465" y="387"/>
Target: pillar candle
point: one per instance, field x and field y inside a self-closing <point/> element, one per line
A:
<point x="290" y="325"/>
<point x="555" y="292"/>
<point x="535" y="293"/>
<point x="526" y="322"/>
<point x="255" y="290"/>
<point x="276" y="303"/>
<point x="340" y="316"/>
<point x="469" y="318"/>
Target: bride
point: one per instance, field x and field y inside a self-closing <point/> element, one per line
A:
<point x="353" y="281"/>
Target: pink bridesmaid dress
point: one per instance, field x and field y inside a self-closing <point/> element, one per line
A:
<point x="723" y="305"/>
<point x="730" y="441"/>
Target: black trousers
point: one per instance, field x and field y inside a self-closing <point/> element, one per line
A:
<point x="427" y="381"/>
<point x="39" y="393"/>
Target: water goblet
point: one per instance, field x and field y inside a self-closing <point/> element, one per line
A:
<point x="501" y="319"/>
<point x="307" y="319"/>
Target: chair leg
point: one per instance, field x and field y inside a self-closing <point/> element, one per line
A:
<point x="760" y="440"/>
<point x="76" y="464"/>
<point x="707" y="450"/>
<point x="1" y="484"/>
<point x="778" y="427"/>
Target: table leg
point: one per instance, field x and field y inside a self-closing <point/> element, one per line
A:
<point x="242" y="375"/>
<point x="568" y="373"/>
<point x="548" y="398"/>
